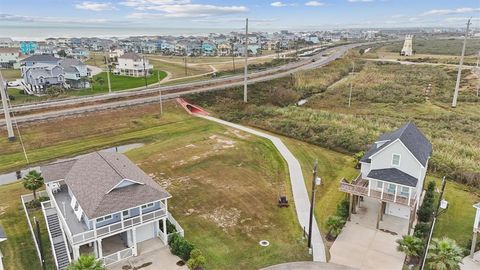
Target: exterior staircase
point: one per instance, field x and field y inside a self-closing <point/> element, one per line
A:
<point x="57" y="238"/>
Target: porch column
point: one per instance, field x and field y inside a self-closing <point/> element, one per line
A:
<point x="396" y="190"/>
<point x="95" y="249"/>
<point x="381" y="196"/>
<point x="379" y="214"/>
<point x="369" y="187"/>
<point x="474" y="244"/>
<point x="410" y="220"/>
<point x="134" y="237"/>
<point x="354" y="204"/>
<point x="100" y="249"/>
<point x="409" y="195"/>
<point x="76" y="252"/>
<point x="350" y="206"/>
<point x="165" y="232"/>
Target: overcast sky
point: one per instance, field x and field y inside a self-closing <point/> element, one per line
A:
<point x="285" y="14"/>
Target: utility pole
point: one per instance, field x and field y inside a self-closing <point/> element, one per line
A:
<point x="478" y="73"/>
<point x="144" y="70"/>
<point x="108" y="74"/>
<point x="245" y="84"/>
<point x="233" y="55"/>
<point x="351" y="85"/>
<point x="459" y="75"/>
<point x="435" y="215"/>
<point x="6" y="109"/>
<point x="185" y="63"/>
<point x="39" y="242"/>
<point x="315" y="182"/>
<point x="160" y="94"/>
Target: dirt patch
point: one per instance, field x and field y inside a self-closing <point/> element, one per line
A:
<point x="238" y="133"/>
<point x="222" y="143"/>
<point x="2" y="210"/>
<point x="224" y="218"/>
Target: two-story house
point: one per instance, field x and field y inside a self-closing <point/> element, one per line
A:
<point x="393" y="172"/>
<point x="132" y="64"/>
<point x="102" y="204"/>
<point x="9" y="57"/>
<point x="76" y="73"/>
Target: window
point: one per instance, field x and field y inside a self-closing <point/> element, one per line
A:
<point x="396" y="160"/>
<point x="391" y="188"/>
<point x="148" y="205"/>
<point x="404" y="191"/>
<point x="76" y="206"/>
<point x="379" y="184"/>
<point x="105" y="218"/>
<point x="126" y="213"/>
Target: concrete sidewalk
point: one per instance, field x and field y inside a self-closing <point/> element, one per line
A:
<point x="299" y="190"/>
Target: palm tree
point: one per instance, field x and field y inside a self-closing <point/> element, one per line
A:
<point x="334" y="225"/>
<point x="444" y="254"/>
<point x="412" y="246"/>
<point x="33" y="181"/>
<point x="86" y="262"/>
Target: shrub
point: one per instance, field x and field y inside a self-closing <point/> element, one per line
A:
<point x="180" y="247"/>
<point x="197" y="261"/>
<point x="425" y="211"/>
<point x="422" y="229"/>
<point x="334" y="225"/>
<point x="170" y="227"/>
<point x="343" y="208"/>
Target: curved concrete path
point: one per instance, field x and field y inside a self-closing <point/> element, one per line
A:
<point x="299" y="190"/>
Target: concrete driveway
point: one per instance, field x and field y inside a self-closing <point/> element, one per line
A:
<point x="153" y="255"/>
<point x="366" y="248"/>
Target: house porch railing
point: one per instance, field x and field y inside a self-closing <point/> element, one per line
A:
<point x="359" y="188"/>
<point x="117" y="256"/>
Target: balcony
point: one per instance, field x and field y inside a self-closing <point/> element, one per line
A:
<point x="78" y="232"/>
<point x="360" y="187"/>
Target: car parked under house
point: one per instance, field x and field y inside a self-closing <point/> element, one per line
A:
<point x="102" y="204"/>
<point x="392" y="174"/>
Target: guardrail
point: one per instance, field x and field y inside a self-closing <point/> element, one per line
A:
<point x="117" y="256"/>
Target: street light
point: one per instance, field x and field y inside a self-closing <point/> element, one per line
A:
<point x="315" y="182"/>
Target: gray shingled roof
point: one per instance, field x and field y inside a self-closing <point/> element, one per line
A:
<point x="131" y="55"/>
<point x="393" y="175"/>
<point x="69" y="65"/>
<point x="92" y="177"/>
<point x="411" y="137"/>
<point x="41" y="58"/>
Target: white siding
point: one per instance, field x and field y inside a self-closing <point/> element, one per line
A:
<point x="408" y="163"/>
<point x="365" y="169"/>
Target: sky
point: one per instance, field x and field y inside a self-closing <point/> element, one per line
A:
<point x="264" y="15"/>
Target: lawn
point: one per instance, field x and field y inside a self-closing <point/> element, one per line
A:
<point x="11" y="74"/>
<point x="438" y="46"/>
<point x="177" y="69"/>
<point x="19" y="251"/>
<point x="120" y="82"/>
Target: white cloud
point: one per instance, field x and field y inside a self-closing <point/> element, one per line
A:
<point x="95" y="6"/>
<point x="314" y="4"/>
<point x="451" y="11"/>
<point x="360" y="1"/>
<point x="43" y="19"/>
<point x="141" y="4"/>
<point x="278" y="4"/>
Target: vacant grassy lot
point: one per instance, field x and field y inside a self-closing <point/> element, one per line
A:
<point x="11" y="74"/>
<point x="438" y="46"/>
<point x="177" y="69"/>
<point x="224" y="183"/>
<point x="120" y="82"/>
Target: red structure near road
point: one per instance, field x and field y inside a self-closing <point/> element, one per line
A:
<point x="190" y="108"/>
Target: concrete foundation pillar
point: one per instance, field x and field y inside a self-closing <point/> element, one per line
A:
<point x="76" y="252"/>
<point x="100" y="249"/>
<point x="134" y="237"/>
<point x="474" y="244"/>
<point x="350" y="207"/>
<point x="165" y="232"/>
<point x="379" y="215"/>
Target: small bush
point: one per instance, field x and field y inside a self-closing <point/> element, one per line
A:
<point x="342" y="209"/>
<point x="197" y="261"/>
<point x="422" y="229"/>
<point x="180" y="247"/>
<point x="170" y="227"/>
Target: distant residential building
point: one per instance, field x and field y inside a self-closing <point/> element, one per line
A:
<point x="28" y="47"/>
<point x="312" y="38"/>
<point x="407" y="49"/>
<point x="76" y="73"/>
<point x="132" y="64"/>
<point x="224" y="49"/>
<point x="208" y="49"/>
<point x="6" y="42"/>
<point x="79" y="53"/>
<point x="9" y="57"/>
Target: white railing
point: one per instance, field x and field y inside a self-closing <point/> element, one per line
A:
<point x="118" y="227"/>
<point x="27" y="198"/>
<point x="62" y="219"/>
<point x="118" y="256"/>
<point x="178" y="228"/>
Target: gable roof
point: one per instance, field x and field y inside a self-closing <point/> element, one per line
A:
<point x="411" y="137"/>
<point x="41" y="58"/>
<point x="93" y="180"/>
<point x="131" y="55"/>
<point x="70" y="65"/>
<point x="393" y="175"/>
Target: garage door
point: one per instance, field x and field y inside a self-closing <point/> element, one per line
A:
<point x="145" y="232"/>
<point x="397" y="210"/>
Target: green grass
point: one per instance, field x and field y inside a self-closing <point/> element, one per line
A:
<point x="19" y="251"/>
<point x="120" y="82"/>
<point x="439" y="46"/>
<point x="11" y="74"/>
